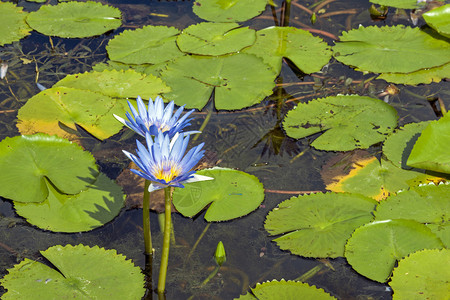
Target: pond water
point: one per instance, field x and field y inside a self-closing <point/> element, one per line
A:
<point x="250" y="140"/>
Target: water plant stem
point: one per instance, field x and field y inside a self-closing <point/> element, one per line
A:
<point x="205" y="122"/>
<point x="166" y="240"/>
<point x="211" y="276"/>
<point x="197" y="242"/>
<point x="286" y="13"/>
<point x="146" y="220"/>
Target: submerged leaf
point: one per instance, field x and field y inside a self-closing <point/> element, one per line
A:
<point x="228" y="10"/>
<point x="13" y="26"/>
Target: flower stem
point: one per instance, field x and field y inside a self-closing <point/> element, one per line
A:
<point x="166" y="240"/>
<point x="146" y="220"/>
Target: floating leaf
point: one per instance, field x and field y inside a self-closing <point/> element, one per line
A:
<point x="90" y="209"/>
<point x="30" y="164"/>
<point x="426" y="76"/>
<point x="286" y="290"/>
<point x="438" y="19"/>
<point x="374" y="248"/>
<point x="75" y="19"/>
<point x="232" y="194"/>
<point x="147" y="45"/>
<point x="397" y="49"/>
<point x="318" y="225"/>
<point x="80" y="272"/>
<point x="13" y="23"/>
<point x="407" y="4"/>
<point x="429" y="205"/>
<point x="238" y="81"/>
<point x="431" y="149"/>
<point x="398" y="145"/>
<point x="228" y="10"/>
<point x="215" y="38"/>
<point x="422" y="275"/>
<point x="307" y="52"/>
<point x="122" y="84"/>
<point x="92" y="111"/>
<point x="358" y="121"/>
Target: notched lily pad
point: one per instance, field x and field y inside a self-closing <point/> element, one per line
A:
<point x="438" y="19"/>
<point x="229" y="10"/>
<point x="347" y="122"/>
<point x="13" y="26"/>
<point x="79" y="272"/>
<point x="425" y="76"/>
<point x="30" y="164"/>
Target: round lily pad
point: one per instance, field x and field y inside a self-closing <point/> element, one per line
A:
<point x="286" y="290"/>
<point x="13" y="26"/>
<point x="147" y="45"/>
<point x="228" y="11"/>
<point x="75" y="19"/>
<point x="422" y="275"/>
<point x="93" y="111"/>
<point x="209" y="38"/>
<point x="307" y="52"/>
<point x="374" y="248"/>
<point x="397" y="49"/>
<point x="80" y="272"/>
<point x="438" y="19"/>
<point x="238" y="80"/>
<point x="426" y="76"/>
<point x="318" y="225"/>
<point x="232" y="194"/>
<point x="30" y="164"/>
<point x="85" y="211"/>
<point x="347" y="122"/>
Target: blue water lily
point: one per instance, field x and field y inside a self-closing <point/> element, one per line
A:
<point x="164" y="163"/>
<point x="156" y="118"/>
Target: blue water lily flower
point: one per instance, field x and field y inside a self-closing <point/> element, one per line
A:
<point x="156" y="118"/>
<point x="164" y="163"/>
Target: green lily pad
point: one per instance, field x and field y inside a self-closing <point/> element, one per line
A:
<point x="374" y="248"/>
<point x="438" y="19"/>
<point x="75" y="19"/>
<point x="357" y="121"/>
<point x="307" y="52"/>
<point x="90" y="209"/>
<point x="397" y="49"/>
<point x="13" y="26"/>
<point x="318" y="225"/>
<point x="428" y="204"/>
<point x="215" y="38"/>
<point x="147" y="45"/>
<point x="398" y="145"/>
<point x="232" y="194"/>
<point x="407" y="4"/>
<point x="122" y="84"/>
<point x="228" y="10"/>
<point x="238" y="81"/>
<point x="92" y="111"/>
<point x="422" y="275"/>
<point x="430" y="151"/>
<point x="147" y="69"/>
<point x="80" y="272"/>
<point x="30" y="164"/>
<point x="286" y="290"/>
<point x="425" y="76"/>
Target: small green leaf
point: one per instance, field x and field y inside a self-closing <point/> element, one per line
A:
<point x="13" y="23"/>
<point x="438" y="19"/>
<point x="232" y="194"/>
<point x="228" y="10"/>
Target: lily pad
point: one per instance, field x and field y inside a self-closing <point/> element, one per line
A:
<point x="122" y="84"/>
<point x="431" y="149"/>
<point x="407" y="4"/>
<point x="397" y="49"/>
<point x="318" y="225"/>
<point x="30" y="164"/>
<point x="428" y="204"/>
<point x="147" y="45"/>
<point x="422" y="275"/>
<point x="92" y="111"/>
<point x="85" y="211"/>
<point x="79" y="272"/>
<point x="425" y="76"/>
<point x="228" y="10"/>
<point x="13" y="26"/>
<point x="215" y="38"/>
<point x="438" y="19"/>
<point x="75" y="19"/>
<point x="357" y="121"/>
<point x="374" y="248"/>
<point x="232" y="194"/>
<point x="286" y="290"/>
<point x="238" y="81"/>
<point x="307" y="52"/>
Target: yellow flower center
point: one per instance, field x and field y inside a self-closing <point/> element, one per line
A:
<point x="167" y="171"/>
